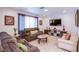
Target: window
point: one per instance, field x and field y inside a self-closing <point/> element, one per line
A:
<point x="26" y="22"/>
<point x="30" y="22"/>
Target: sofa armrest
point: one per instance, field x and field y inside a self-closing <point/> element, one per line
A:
<point x="30" y="47"/>
<point x="67" y="41"/>
<point x="33" y="49"/>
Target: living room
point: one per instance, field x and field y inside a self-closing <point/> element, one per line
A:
<point x="66" y="15"/>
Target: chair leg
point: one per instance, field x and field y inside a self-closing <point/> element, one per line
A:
<point x="77" y="45"/>
<point x="39" y="41"/>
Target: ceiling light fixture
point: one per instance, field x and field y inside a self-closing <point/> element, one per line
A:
<point x="45" y="9"/>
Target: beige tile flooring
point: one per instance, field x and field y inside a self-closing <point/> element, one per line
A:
<point x="50" y="46"/>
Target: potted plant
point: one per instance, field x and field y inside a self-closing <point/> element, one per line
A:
<point x="15" y="31"/>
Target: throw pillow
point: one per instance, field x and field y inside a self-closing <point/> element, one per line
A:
<point x="67" y="36"/>
<point x="22" y="47"/>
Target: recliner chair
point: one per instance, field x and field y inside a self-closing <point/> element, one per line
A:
<point x="8" y="44"/>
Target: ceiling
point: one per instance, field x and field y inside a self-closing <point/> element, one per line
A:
<point x="51" y="10"/>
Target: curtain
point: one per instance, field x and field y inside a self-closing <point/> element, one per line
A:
<point x="21" y="25"/>
<point x="21" y="22"/>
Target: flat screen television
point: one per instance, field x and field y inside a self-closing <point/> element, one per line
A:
<point x="55" y="22"/>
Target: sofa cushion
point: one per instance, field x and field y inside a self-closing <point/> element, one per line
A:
<point x="34" y="32"/>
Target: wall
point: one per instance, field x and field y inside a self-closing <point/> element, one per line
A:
<point x="68" y="20"/>
<point x="46" y="23"/>
<point x="10" y="12"/>
<point x="42" y="27"/>
<point x="4" y="27"/>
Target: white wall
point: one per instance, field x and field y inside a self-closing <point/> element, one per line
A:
<point x="68" y="20"/>
<point x="54" y="17"/>
<point x="47" y="25"/>
<point x="41" y="27"/>
<point x="10" y="12"/>
<point x="4" y="27"/>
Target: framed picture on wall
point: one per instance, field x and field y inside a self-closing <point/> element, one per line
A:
<point x="40" y="22"/>
<point x="9" y="20"/>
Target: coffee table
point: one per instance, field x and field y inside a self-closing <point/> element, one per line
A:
<point x="42" y="37"/>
